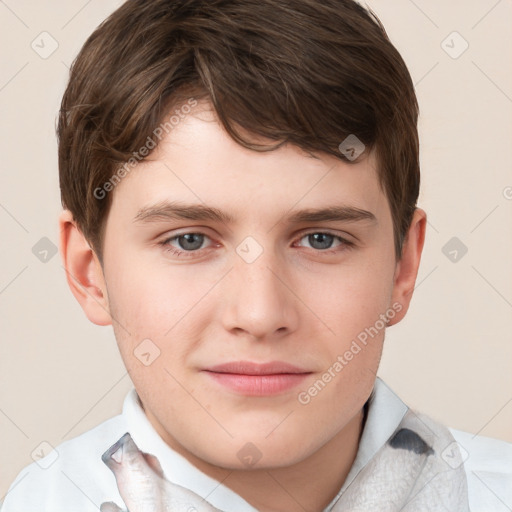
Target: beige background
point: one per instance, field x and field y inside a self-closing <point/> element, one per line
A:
<point x="451" y="357"/>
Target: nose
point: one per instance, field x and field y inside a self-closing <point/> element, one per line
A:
<point x="259" y="299"/>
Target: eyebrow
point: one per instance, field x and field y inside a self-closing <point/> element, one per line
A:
<point x="175" y="210"/>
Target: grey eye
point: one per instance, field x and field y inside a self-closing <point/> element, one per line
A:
<point x="320" y="241"/>
<point x="190" y="241"/>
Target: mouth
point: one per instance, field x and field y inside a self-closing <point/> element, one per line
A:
<point x="257" y="379"/>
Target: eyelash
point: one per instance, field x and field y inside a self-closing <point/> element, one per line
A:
<point x="345" y="244"/>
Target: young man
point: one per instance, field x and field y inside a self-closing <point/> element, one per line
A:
<point x="240" y="181"/>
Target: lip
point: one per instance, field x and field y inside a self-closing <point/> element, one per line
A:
<point x="257" y="379"/>
<point x="249" y="368"/>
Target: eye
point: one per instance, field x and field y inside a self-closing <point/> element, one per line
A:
<point x="186" y="243"/>
<point x="322" y="241"/>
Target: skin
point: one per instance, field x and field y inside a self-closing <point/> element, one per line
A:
<point x="295" y="303"/>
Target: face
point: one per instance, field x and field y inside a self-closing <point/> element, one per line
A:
<point x="244" y="310"/>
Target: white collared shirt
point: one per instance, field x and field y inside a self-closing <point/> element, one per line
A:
<point x="74" y="478"/>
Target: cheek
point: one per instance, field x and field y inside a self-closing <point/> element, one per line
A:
<point x="150" y="296"/>
<point x="158" y="310"/>
<point x="350" y="298"/>
<point x="351" y="302"/>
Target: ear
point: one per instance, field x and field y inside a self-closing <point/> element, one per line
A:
<point x="83" y="271"/>
<point x="407" y="268"/>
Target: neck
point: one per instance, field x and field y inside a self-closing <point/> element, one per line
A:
<point x="309" y="485"/>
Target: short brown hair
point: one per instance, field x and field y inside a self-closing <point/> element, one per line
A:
<point x="305" y="72"/>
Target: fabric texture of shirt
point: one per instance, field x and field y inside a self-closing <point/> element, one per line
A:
<point x="73" y="476"/>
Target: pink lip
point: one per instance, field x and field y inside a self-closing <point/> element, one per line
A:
<point x="256" y="379"/>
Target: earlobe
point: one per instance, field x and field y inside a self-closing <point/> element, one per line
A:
<point x="83" y="271"/>
<point x="407" y="268"/>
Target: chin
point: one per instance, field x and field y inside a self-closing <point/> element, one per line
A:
<point x="249" y="452"/>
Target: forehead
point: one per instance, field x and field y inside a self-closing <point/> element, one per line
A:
<point x="198" y="162"/>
